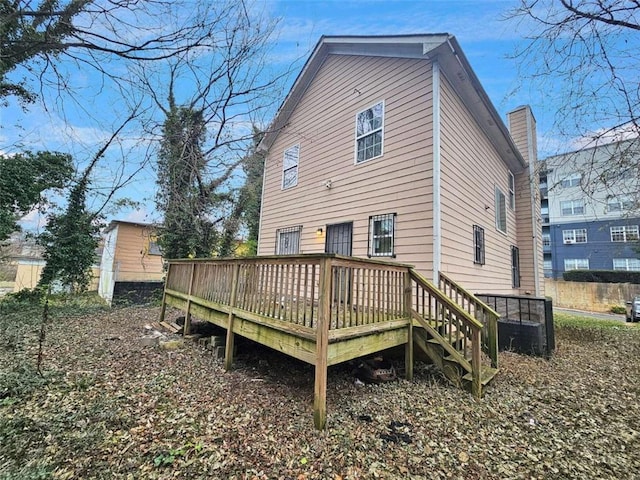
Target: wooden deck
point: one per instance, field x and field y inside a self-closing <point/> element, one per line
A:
<point x="326" y="309"/>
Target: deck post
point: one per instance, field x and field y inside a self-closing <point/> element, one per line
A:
<point x="187" y="316"/>
<point x="408" y="348"/>
<point x="492" y="332"/>
<point x="229" y="345"/>
<point x="163" y="308"/>
<point x="322" y="342"/>
<point x="476" y="366"/>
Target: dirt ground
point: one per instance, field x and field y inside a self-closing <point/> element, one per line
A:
<point x="109" y="408"/>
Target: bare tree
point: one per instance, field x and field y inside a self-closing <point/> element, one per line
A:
<point x="214" y="97"/>
<point x="583" y="56"/>
<point x="36" y="37"/>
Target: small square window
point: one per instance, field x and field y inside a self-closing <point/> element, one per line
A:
<point x="381" y="235"/>
<point x="288" y="240"/>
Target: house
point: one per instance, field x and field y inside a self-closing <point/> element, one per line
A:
<point x="388" y="147"/>
<point x="24" y="263"/>
<point x="590" y="219"/>
<point x="132" y="265"/>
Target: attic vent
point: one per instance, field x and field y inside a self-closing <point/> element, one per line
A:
<point x="490" y="122"/>
<point x="461" y="76"/>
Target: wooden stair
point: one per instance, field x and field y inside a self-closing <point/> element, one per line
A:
<point x="453" y="369"/>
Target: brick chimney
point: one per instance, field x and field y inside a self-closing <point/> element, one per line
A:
<point x="522" y="126"/>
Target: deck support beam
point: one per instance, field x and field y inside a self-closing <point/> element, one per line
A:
<point x="322" y="344"/>
<point x="408" y="349"/>
<point x="230" y="342"/>
<point x="186" y="330"/>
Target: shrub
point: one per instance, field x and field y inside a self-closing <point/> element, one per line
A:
<point x="618" y="309"/>
<point x="602" y="276"/>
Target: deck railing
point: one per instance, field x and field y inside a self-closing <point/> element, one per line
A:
<point x="287" y="288"/>
<point x="479" y="310"/>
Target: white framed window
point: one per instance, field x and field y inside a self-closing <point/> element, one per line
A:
<point x="547" y="265"/>
<point x="369" y="132"/>
<point x="578" y="235"/>
<point x="501" y="211"/>
<point x="478" y="245"/>
<point x="512" y="192"/>
<point x="572" y="207"/>
<point x="619" y="205"/>
<point x="546" y="240"/>
<point x="515" y="266"/>
<point x="626" y="233"/>
<point x="572" y="180"/>
<point x="288" y="240"/>
<point x="576" y="264"/>
<point x="630" y="264"/>
<point x="382" y="235"/>
<point x="290" y="167"/>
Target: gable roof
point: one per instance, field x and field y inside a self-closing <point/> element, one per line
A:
<point x="441" y="46"/>
<point x="114" y="223"/>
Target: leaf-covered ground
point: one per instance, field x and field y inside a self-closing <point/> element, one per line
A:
<point x="109" y="408"/>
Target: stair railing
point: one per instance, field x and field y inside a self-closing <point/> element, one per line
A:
<point x="454" y="328"/>
<point x="477" y="309"/>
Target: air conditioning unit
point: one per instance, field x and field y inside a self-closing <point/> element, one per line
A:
<point x="568" y="242"/>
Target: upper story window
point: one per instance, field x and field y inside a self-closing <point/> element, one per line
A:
<point x="546" y="240"/>
<point x="501" y="211"/>
<point x="619" y="205"/>
<point x="627" y="233"/>
<point x="478" y="245"/>
<point x="381" y="235"/>
<point x="369" y="133"/>
<point x="572" y="207"/>
<point x="572" y="180"/>
<point x="288" y="240"/>
<point x="515" y="266"/>
<point x="578" y="235"/>
<point x="576" y="264"/>
<point x="290" y="167"/>
<point x="631" y="264"/>
<point x="512" y="191"/>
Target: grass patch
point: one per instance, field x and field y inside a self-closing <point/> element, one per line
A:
<point x="563" y="320"/>
<point x="586" y="329"/>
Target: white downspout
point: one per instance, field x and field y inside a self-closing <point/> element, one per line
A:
<point x="437" y="217"/>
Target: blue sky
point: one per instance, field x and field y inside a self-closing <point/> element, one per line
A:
<point x="486" y="39"/>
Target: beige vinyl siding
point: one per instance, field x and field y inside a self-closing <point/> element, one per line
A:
<point x="132" y="261"/>
<point x="471" y="168"/>
<point x="399" y="181"/>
